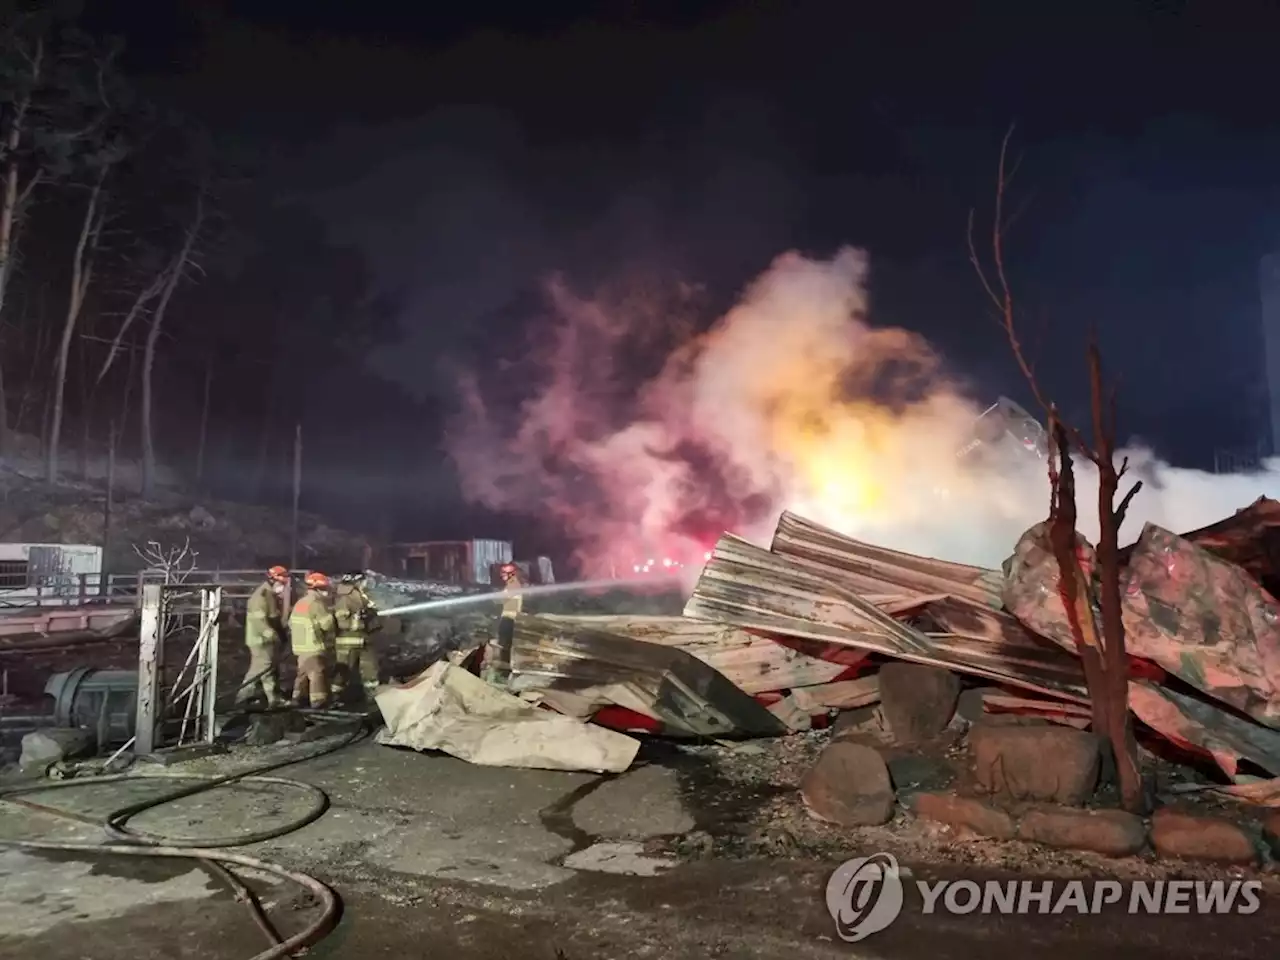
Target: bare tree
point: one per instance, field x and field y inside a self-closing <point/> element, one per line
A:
<point x="1102" y="651"/>
<point x="177" y="269"/>
<point x="27" y="57"/>
<point x="175" y="563"/>
<point x="81" y="276"/>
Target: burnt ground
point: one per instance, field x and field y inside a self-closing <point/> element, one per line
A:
<point x="434" y="857"/>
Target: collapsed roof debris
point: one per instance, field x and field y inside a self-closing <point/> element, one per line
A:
<point x="774" y="640"/>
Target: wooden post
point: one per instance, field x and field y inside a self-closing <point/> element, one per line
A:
<point x="150" y="661"/>
<point x="297" y="493"/>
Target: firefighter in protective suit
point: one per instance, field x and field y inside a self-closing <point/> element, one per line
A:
<point x="263" y="626"/>
<point x="312" y="632"/>
<point x="498" y="655"/>
<point x="356" y="618"/>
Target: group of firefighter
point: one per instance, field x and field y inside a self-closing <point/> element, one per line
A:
<point x="328" y="628"/>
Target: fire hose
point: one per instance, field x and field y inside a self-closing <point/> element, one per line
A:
<point x="210" y="853"/>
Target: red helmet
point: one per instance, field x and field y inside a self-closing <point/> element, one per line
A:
<point x="316" y="580"/>
<point x="278" y="574"/>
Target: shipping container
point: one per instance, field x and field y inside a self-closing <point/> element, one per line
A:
<point x="49" y="573"/>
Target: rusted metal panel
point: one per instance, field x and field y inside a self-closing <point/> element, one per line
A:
<point x="93" y="621"/>
<point x="753" y="663"/>
<point x="689" y="697"/>
<point x="872" y="570"/>
<point x="1206" y="727"/>
<point x="755" y="589"/>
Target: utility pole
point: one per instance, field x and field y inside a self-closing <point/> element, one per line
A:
<point x="297" y="493"/>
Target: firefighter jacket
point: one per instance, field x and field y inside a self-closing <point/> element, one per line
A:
<point x="514" y="602"/>
<point x="354" y="614"/>
<point x="262" y="616"/>
<point x="311" y="625"/>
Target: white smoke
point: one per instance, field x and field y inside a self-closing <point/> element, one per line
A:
<point x="792" y="400"/>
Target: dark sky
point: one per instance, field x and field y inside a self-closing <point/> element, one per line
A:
<point x="473" y="148"/>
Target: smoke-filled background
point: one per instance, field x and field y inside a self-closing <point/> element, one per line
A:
<point x="793" y="399"/>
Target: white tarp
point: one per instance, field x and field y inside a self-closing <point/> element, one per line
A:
<point x="446" y="708"/>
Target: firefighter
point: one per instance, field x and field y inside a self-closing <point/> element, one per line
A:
<point x="263" y="625"/>
<point x="356" y="618"/>
<point x="498" y="656"/>
<point x="312" y="630"/>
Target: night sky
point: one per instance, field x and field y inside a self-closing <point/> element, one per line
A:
<point x="473" y="153"/>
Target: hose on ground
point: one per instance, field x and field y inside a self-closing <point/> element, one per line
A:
<point x="210" y="853"/>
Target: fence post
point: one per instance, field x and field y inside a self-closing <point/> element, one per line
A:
<point x="150" y="658"/>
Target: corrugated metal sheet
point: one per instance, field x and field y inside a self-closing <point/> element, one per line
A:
<point x="685" y="694"/>
<point x="753" y="588"/>
<point x="755" y="664"/>
<point x="872" y="570"/>
<point x="484" y="554"/>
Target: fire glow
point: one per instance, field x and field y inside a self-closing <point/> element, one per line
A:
<point x="791" y="400"/>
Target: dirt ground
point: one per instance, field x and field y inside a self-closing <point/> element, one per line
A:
<point x="435" y="857"/>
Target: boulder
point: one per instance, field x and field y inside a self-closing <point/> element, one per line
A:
<point x="1113" y="833"/>
<point x="964" y="814"/>
<point x="1190" y="837"/>
<point x="856" y="722"/>
<point x="1042" y="763"/>
<point x="1271" y="834"/>
<point x="917" y="701"/>
<point x="42" y="747"/>
<point x="849" y="785"/>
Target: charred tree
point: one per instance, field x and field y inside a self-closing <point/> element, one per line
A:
<point x="81" y="277"/>
<point x="30" y="59"/>
<point x="177" y="269"/>
<point x="1101" y="647"/>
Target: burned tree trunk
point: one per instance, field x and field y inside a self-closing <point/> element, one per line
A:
<point x="1102" y="651"/>
<point x="81" y="275"/>
<point x="176" y="270"/>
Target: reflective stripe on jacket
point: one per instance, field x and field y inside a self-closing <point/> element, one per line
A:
<point x="262" y="616"/>
<point x="311" y="625"/>
<point x="352" y="612"/>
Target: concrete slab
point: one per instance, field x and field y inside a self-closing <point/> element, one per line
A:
<point x="38" y="894"/>
<point x="637" y="805"/>
<point x="627" y="859"/>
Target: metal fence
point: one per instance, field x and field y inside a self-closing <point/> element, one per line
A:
<point x="84" y="589"/>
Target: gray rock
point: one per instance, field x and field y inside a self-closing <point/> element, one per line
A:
<point x="924" y="773"/>
<point x="638" y="805"/>
<point x="1050" y="763"/>
<point x="267" y="728"/>
<point x="849" y="785"/>
<point x="917" y="701"/>
<point x="42" y="747"/>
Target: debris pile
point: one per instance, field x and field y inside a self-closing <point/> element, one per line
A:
<point x="783" y="639"/>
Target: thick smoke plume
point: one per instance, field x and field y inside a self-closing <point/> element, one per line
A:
<point x="791" y="400"/>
